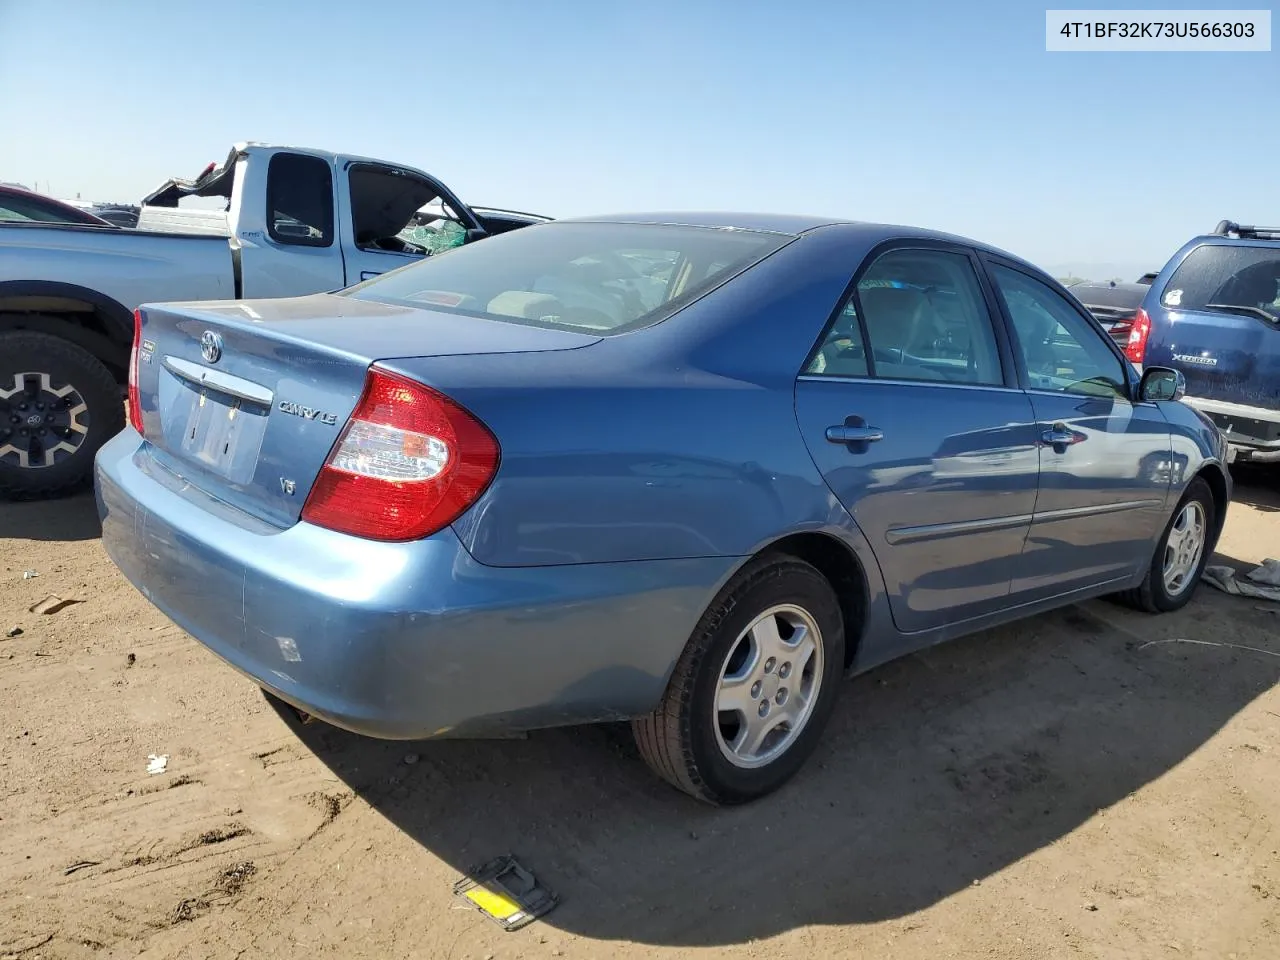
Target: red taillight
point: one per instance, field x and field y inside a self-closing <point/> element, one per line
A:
<point x="1136" y="348"/>
<point x="135" y="402"/>
<point x="407" y="464"/>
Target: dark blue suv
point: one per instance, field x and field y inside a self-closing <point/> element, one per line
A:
<point x="1213" y="312"/>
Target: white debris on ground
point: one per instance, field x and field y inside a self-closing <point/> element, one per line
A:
<point x="157" y="764"/>
<point x="1262" y="582"/>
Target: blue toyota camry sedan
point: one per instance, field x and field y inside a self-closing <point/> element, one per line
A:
<point x="685" y="470"/>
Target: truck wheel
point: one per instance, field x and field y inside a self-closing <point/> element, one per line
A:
<point x="58" y="405"/>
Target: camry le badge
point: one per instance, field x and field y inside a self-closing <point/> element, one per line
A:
<point x="307" y="413"/>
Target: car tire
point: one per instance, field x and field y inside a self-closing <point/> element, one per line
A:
<point x="1179" y="549"/>
<point x="774" y="640"/>
<point x="58" y="405"/>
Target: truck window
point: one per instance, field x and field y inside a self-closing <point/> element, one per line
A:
<point x="300" y="200"/>
<point x="385" y="201"/>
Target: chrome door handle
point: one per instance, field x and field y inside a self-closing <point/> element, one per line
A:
<point x="1056" y="436"/>
<point x="1059" y="436"/>
<point x="845" y="433"/>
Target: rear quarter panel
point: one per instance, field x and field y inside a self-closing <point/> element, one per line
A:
<point x="676" y="441"/>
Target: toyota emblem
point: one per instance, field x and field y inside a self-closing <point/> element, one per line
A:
<point x="211" y="347"/>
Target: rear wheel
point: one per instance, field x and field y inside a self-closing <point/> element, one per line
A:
<point x="58" y="405"/>
<point x="753" y="689"/>
<point x="1180" y="555"/>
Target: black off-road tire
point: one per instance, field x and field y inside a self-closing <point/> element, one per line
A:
<point x="1151" y="596"/>
<point x="678" y="740"/>
<point x="24" y="354"/>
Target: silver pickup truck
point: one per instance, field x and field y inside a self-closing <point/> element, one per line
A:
<point x="271" y="221"/>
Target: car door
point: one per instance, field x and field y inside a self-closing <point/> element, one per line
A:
<point x="1105" y="461"/>
<point x="286" y="241"/>
<point x="378" y="207"/>
<point x="910" y="408"/>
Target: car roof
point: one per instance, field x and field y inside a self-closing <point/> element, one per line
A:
<point x="1101" y="293"/>
<point x="796" y="224"/>
<point x="766" y="222"/>
<point x="1218" y="240"/>
<point x="1121" y="285"/>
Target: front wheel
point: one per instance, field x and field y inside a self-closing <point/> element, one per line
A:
<point x="1180" y="555"/>
<point x="58" y="405"/>
<point x="753" y="689"/>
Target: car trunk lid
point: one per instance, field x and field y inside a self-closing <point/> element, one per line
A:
<point x="245" y="400"/>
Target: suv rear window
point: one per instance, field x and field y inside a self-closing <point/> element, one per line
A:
<point x="1227" y="278"/>
<point x="606" y="278"/>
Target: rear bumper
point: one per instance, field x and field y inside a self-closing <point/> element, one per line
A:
<point x="1252" y="433"/>
<point x="399" y="641"/>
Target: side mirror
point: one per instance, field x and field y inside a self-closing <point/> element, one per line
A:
<point x="1161" y="384"/>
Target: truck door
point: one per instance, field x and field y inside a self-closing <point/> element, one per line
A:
<point x="285" y="242"/>
<point x="380" y="211"/>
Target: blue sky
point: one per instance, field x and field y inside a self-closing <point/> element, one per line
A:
<point x="946" y="114"/>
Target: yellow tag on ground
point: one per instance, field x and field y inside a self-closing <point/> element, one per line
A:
<point x="494" y="904"/>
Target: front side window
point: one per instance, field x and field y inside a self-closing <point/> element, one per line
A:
<point x="1227" y="278"/>
<point x="300" y="200"/>
<point x="605" y="278"/>
<point x="925" y="317"/>
<point x="397" y="211"/>
<point x="1061" y="350"/>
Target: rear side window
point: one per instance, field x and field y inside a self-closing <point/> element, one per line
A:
<point x="300" y="200"/>
<point x="1222" y="278"/>
<point x="20" y="209"/>
<point x="925" y="317"/>
<point x="604" y="278"/>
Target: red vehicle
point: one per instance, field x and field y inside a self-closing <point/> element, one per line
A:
<point x="21" y="206"/>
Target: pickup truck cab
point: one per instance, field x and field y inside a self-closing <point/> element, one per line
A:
<point x="1213" y="312"/>
<point x="271" y="221"/>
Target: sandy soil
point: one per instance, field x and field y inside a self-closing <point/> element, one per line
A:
<point x="1079" y="785"/>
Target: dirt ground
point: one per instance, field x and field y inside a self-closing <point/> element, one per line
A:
<point x="1084" y="784"/>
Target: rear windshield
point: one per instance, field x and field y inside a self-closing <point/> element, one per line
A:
<point x="1227" y="279"/>
<point x="606" y="278"/>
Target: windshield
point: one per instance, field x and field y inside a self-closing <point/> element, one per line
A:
<point x="607" y="278"/>
<point x="1227" y="278"/>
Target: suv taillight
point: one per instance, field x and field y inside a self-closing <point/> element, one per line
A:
<point x="407" y="464"/>
<point x="135" y="402"/>
<point x="1136" y="348"/>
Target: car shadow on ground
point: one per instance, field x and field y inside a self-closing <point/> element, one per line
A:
<point x="66" y="518"/>
<point x="936" y="771"/>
